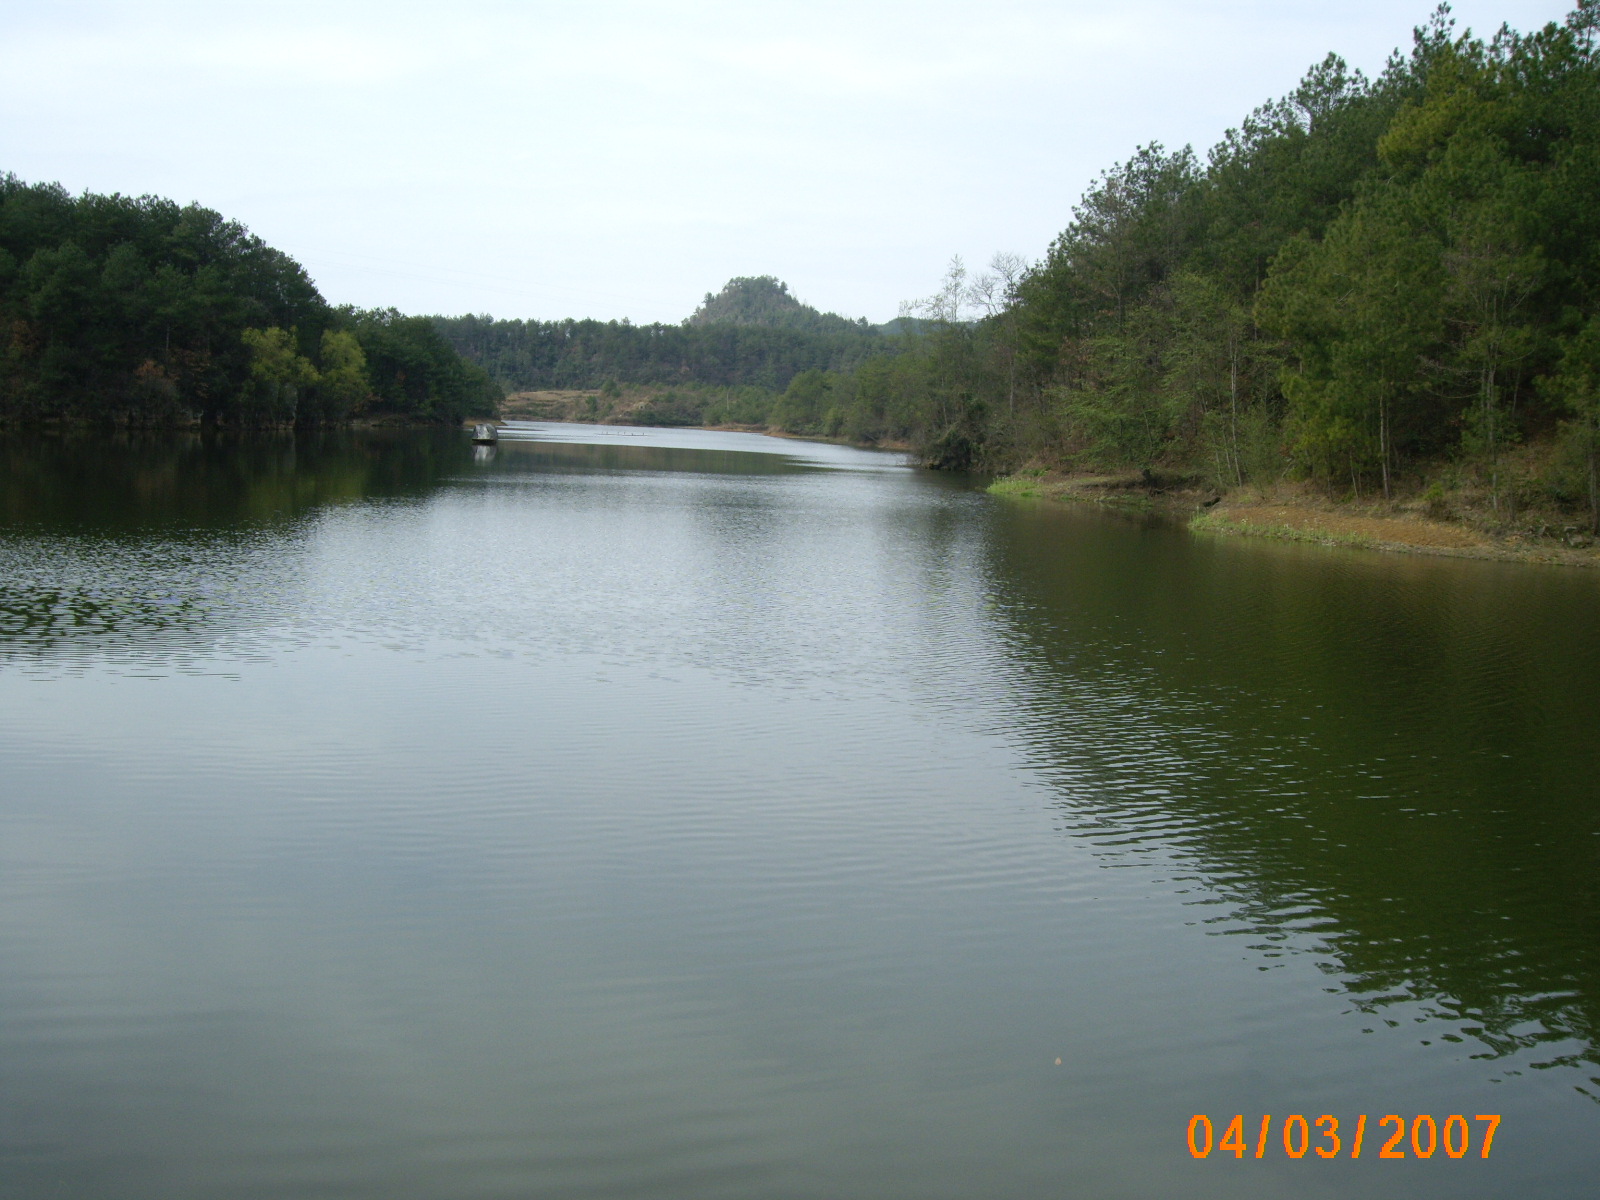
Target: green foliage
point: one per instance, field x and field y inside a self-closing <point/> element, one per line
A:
<point x="278" y="374"/>
<point x="1362" y="310"/>
<point x="671" y="408"/>
<point x="803" y="405"/>
<point x="1365" y="276"/>
<point x="884" y="397"/>
<point x="1117" y="411"/>
<point x="1575" y="386"/>
<point x="345" y="388"/>
<point x="137" y="310"/>
<point x="763" y="300"/>
<point x="414" y="371"/>
<point x="536" y="355"/>
<point x="1419" y="322"/>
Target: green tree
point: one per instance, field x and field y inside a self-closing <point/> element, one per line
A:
<point x="1217" y="371"/>
<point x="343" y="386"/>
<point x="278" y="376"/>
<point x="1361" y="312"/>
<point x="1576" y="386"/>
<point x="804" y="403"/>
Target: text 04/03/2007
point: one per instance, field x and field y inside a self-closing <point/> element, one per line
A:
<point x="1454" y="1135"/>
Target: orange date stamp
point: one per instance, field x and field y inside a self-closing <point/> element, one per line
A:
<point x="1322" y="1137"/>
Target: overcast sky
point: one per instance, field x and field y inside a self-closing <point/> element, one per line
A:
<point x="610" y="160"/>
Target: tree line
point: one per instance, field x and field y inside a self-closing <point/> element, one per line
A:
<point x="752" y="334"/>
<point x="139" y="310"/>
<point x="533" y="355"/>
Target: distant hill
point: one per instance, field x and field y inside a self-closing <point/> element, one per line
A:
<point x="753" y="333"/>
<point x="765" y="301"/>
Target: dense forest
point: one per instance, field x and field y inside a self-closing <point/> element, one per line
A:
<point x="1367" y="277"/>
<point x="752" y="334"/>
<point x="141" y="311"/>
<point x="1369" y="282"/>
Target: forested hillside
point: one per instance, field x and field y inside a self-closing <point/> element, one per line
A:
<point x="1366" y="277"/>
<point x="1369" y="279"/>
<point x="137" y="310"/>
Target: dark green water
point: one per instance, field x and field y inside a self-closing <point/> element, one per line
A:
<point x="649" y="814"/>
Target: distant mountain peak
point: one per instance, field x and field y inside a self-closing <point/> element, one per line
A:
<point x="764" y="300"/>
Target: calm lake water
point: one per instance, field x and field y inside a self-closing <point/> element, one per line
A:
<point x="643" y="814"/>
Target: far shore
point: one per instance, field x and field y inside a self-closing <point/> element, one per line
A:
<point x="560" y="408"/>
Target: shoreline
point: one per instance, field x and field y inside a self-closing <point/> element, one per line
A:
<point x="194" y="424"/>
<point x="763" y="430"/>
<point x="1301" y="517"/>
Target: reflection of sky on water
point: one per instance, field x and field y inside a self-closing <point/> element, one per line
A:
<point x="549" y="821"/>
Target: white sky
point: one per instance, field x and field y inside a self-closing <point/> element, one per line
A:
<point x="614" y="159"/>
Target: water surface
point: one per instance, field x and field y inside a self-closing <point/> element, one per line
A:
<point x="644" y="813"/>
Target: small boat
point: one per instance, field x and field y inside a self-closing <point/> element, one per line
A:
<point x="485" y="434"/>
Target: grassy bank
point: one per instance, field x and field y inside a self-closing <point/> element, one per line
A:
<point x="1131" y="491"/>
<point x="1436" y="514"/>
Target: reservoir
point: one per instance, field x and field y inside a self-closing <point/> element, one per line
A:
<point x="634" y="814"/>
